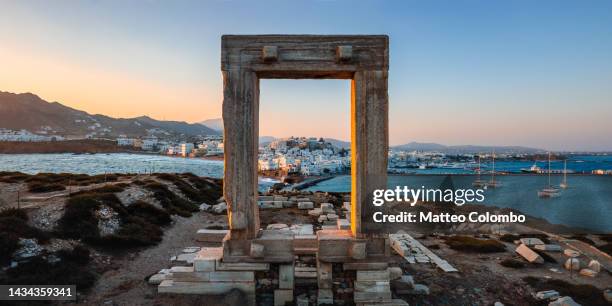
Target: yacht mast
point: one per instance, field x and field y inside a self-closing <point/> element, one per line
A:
<point x="549" y="185"/>
<point x="478" y="166"/>
<point x="493" y="167"/>
<point x="565" y="172"/>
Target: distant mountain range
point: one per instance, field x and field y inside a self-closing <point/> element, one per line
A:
<point x="464" y="149"/>
<point x="215" y="124"/>
<point x="431" y="147"/>
<point x="30" y="112"/>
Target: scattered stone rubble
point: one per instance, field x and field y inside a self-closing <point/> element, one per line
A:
<point x="205" y="207"/>
<point x="27" y="248"/>
<point x="132" y="194"/>
<point x="219" y="208"/>
<point x="414" y="252"/>
<point x="564" y="301"/>
<point x="573" y="263"/>
<point x="548" y="247"/>
<point x="529" y="254"/>
<point x="305" y="205"/>
<point x="203" y="270"/>
<point x="211" y="235"/>
<point x="555" y="299"/>
<point x="108" y="220"/>
<point x="547" y="295"/>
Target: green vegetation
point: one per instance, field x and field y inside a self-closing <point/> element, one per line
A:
<point x="20" y="228"/>
<point x="171" y="202"/>
<point x="71" y="270"/>
<point x="139" y="183"/>
<point x="196" y="189"/>
<point x="140" y="227"/>
<point x="42" y="187"/>
<point x="9" y="243"/>
<point x="12" y="177"/>
<point x="48" y="182"/>
<point x="134" y="232"/>
<point x="110" y="188"/>
<point x="13" y="225"/>
<point x="583" y="294"/>
<point x="606" y="248"/>
<point x="14" y="212"/>
<point x="512" y="263"/>
<point x="474" y="245"/>
<point x="149" y="212"/>
<point x="139" y="223"/>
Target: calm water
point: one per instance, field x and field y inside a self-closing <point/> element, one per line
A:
<point x="587" y="203"/>
<point x="576" y="163"/>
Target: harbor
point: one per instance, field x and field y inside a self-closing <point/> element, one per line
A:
<point x="584" y="204"/>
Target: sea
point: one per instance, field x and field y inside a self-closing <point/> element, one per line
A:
<point x="115" y="163"/>
<point x="587" y="203"/>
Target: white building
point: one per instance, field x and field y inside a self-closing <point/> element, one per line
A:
<point x="24" y="135"/>
<point x="185" y="149"/>
<point x="122" y="140"/>
<point x="149" y="143"/>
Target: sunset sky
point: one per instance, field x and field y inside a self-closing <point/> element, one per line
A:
<point x="532" y="73"/>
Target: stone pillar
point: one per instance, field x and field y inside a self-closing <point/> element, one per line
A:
<point x="241" y="140"/>
<point x="369" y="141"/>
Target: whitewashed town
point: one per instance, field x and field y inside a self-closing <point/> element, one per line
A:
<point x="312" y="156"/>
<point x="306" y="156"/>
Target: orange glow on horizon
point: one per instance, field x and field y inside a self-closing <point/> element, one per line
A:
<point x="102" y="91"/>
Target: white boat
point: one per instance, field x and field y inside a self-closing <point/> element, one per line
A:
<point x="478" y="182"/>
<point x="533" y="169"/>
<point x="549" y="191"/>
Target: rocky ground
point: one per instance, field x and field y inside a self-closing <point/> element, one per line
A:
<point x="119" y="272"/>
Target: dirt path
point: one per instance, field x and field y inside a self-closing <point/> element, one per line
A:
<point x="126" y="285"/>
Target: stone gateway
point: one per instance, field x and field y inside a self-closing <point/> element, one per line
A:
<point x="245" y="59"/>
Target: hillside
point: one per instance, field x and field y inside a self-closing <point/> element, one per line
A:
<point x="30" y="112"/>
<point x="215" y="124"/>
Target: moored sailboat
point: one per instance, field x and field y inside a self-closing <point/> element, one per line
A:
<point x="478" y="182"/>
<point x="549" y="191"/>
<point x="564" y="184"/>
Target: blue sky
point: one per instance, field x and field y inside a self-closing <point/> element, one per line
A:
<point x="534" y="73"/>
